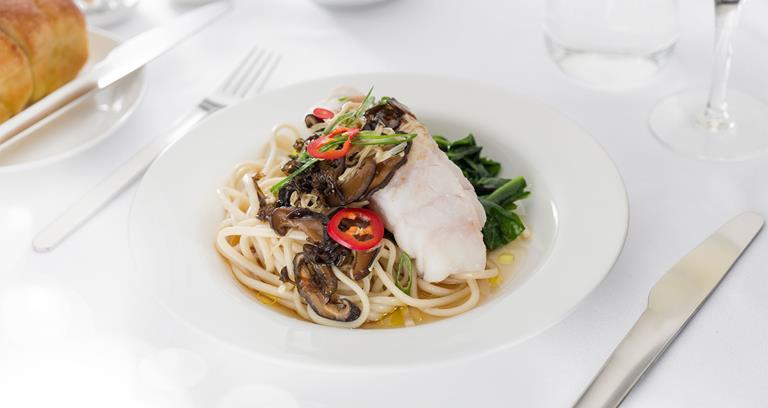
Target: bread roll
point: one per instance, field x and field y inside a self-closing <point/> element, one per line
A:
<point x="15" y="78"/>
<point x="43" y="45"/>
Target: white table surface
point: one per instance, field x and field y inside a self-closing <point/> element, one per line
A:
<point x="76" y="330"/>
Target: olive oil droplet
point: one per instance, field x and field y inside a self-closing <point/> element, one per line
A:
<point x="506" y="258"/>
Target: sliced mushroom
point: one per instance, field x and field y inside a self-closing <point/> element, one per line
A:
<point x="264" y="208"/>
<point x="358" y="266"/>
<point x="298" y="144"/>
<point x="314" y="294"/>
<point x="385" y="170"/>
<point x="311" y="223"/>
<point x="353" y="156"/>
<point x="325" y="278"/>
<point x="399" y="105"/>
<point x="328" y="171"/>
<point x="318" y="179"/>
<point x="290" y="166"/>
<point x="284" y="195"/>
<point x="284" y="275"/>
<point x="329" y="252"/>
<point x="388" y="114"/>
<point x="311" y="120"/>
<point x="355" y="186"/>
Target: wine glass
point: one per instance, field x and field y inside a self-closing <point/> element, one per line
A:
<point x="723" y="130"/>
<point x="107" y="12"/>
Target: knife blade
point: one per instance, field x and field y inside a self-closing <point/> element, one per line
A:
<point x="672" y="302"/>
<point x="120" y="62"/>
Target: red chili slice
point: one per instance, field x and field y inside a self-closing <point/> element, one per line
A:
<point x="358" y="229"/>
<point x="322" y="113"/>
<point x="315" y="148"/>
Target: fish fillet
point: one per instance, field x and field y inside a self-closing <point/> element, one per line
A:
<point x="433" y="211"/>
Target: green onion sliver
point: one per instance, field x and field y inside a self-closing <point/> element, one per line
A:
<point x="367" y="101"/>
<point x="339" y="119"/>
<point x="291" y="176"/>
<point x="386" y="139"/>
<point x="404" y="263"/>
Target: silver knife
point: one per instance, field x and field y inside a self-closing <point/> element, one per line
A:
<point x="672" y="302"/>
<point x="123" y="60"/>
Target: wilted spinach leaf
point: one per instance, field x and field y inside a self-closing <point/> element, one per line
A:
<point x="497" y="195"/>
<point x="501" y="225"/>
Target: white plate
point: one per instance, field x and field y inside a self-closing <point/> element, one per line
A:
<point x="578" y="214"/>
<point x="83" y="125"/>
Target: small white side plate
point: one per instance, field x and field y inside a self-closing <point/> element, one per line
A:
<point x="577" y="213"/>
<point x="92" y="120"/>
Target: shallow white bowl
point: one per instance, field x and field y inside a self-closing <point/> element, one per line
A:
<point x="578" y="214"/>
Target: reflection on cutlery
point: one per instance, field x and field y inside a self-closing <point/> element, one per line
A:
<point x="672" y="302"/>
<point x="251" y="75"/>
<point x="123" y="60"/>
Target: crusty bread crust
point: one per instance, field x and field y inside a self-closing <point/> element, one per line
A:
<point x="25" y="23"/>
<point x="15" y="78"/>
<point x="51" y="36"/>
<point x="70" y="45"/>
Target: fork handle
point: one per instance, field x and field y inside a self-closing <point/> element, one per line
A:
<point x="111" y="186"/>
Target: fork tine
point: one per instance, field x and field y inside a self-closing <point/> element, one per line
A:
<point x="252" y="75"/>
<point x="247" y="72"/>
<point x="228" y="82"/>
<point x="234" y="80"/>
<point x="268" y="73"/>
<point x="243" y="70"/>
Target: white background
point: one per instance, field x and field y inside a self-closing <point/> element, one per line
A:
<point x="77" y="330"/>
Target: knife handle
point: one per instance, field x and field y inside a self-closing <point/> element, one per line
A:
<point x="646" y="340"/>
<point x="93" y="201"/>
<point x="45" y="109"/>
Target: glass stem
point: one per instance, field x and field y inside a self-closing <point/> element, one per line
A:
<point x="716" y="116"/>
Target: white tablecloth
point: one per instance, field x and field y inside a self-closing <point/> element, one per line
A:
<point x="75" y="330"/>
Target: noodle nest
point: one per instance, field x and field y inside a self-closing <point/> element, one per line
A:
<point x="255" y="254"/>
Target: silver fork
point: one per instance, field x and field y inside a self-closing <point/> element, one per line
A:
<point x="250" y="76"/>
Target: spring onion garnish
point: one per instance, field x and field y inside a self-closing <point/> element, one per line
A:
<point x="348" y="118"/>
<point x="303" y="156"/>
<point x="368" y="138"/>
<point x="307" y="164"/>
<point x="332" y="145"/>
<point x="339" y="120"/>
<point x="365" y="104"/>
<point x="404" y="263"/>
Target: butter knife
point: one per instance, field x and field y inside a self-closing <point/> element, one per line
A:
<point x="123" y="60"/>
<point x="672" y="302"/>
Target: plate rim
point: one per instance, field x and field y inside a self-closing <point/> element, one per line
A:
<point x="140" y="77"/>
<point x="622" y="208"/>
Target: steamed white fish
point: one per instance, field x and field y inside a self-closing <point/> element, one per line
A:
<point x="433" y="211"/>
